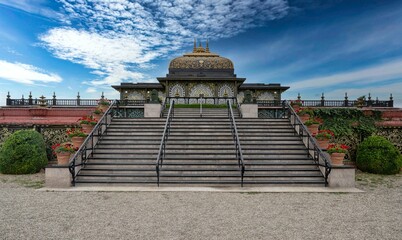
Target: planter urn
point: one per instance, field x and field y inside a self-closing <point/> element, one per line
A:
<point x="337" y="158"/>
<point x="63" y="158"/>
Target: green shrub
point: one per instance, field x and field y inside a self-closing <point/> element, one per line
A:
<point x="24" y="152"/>
<point x="377" y="155"/>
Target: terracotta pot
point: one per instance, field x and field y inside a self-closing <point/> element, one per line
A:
<point x="87" y="128"/>
<point x="77" y="141"/>
<point x="103" y="107"/>
<point x="63" y="158"/>
<point x="304" y="117"/>
<point x="313" y="128"/>
<point x="337" y="158"/>
<point x="323" y="144"/>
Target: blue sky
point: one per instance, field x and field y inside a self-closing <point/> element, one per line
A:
<point x="330" y="47"/>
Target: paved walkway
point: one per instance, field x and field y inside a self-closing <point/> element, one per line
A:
<point x="26" y="213"/>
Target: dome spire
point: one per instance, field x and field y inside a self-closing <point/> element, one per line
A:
<point x="207" y="47"/>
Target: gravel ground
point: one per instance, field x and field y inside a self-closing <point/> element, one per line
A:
<point x="29" y="214"/>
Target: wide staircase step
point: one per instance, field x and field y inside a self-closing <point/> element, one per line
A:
<point x="200" y="151"/>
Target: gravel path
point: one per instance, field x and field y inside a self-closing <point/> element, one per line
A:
<point x="29" y="214"/>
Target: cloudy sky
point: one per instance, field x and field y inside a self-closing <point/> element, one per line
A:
<point x="313" y="46"/>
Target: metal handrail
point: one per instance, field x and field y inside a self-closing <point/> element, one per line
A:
<point x="92" y="139"/>
<point x="162" y="147"/>
<point x="311" y="141"/>
<point x="239" y="152"/>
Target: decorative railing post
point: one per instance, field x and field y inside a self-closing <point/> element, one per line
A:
<point x="322" y="100"/>
<point x="391" y="101"/>
<point x="298" y="96"/>
<point x="30" y="98"/>
<point x="346" y="102"/>
<point x="8" y="100"/>
<point x="78" y="99"/>
<point x="369" y="102"/>
<point x="22" y="100"/>
<point x="54" y="99"/>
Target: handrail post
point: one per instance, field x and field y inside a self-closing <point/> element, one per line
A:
<point x="201" y="106"/>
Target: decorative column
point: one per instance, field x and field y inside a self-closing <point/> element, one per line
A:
<point x="8" y="100"/>
<point x="346" y="102"/>
<point x="322" y="100"/>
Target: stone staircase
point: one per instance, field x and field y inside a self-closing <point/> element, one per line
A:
<point x="126" y="154"/>
<point x="200" y="152"/>
<point x="275" y="155"/>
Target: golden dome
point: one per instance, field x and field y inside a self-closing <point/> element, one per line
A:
<point x="201" y="59"/>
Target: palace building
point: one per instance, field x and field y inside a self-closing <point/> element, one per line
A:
<point x="201" y="73"/>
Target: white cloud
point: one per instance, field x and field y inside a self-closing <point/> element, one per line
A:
<point x="91" y="90"/>
<point x="373" y="74"/>
<point x="33" y="6"/>
<point x="118" y="39"/>
<point x="26" y="74"/>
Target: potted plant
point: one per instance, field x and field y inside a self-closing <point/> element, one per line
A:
<point x="63" y="152"/>
<point x="312" y="124"/>
<point x="323" y="137"/>
<point x="97" y="114"/>
<point x="296" y="104"/>
<point x="360" y="102"/>
<point x="87" y="123"/>
<point x="305" y="114"/>
<point x="337" y="152"/>
<point x="103" y="104"/>
<point x="77" y="136"/>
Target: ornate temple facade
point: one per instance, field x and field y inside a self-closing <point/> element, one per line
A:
<point x="201" y="73"/>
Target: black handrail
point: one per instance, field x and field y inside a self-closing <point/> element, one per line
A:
<point x="239" y="152"/>
<point x="301" y="129"/>
<point x="165" y="135"/>
<point x="91" y="140"/>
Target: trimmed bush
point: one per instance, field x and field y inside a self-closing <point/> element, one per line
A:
<point x="377" y="155"/>
<point x="24" y="152"/>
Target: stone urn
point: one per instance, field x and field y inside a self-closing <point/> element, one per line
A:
<point x="87" y="128"/>
<point x="63" y="158"/>
<point x="313" y="128"/>
<point x="77" y="141"/>
<point x="337" y="158"/>
<point x="323" y="144"/>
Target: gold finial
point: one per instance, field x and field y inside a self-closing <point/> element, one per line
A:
<point x="195" y="45"/>
<point x="207" y="47"/>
